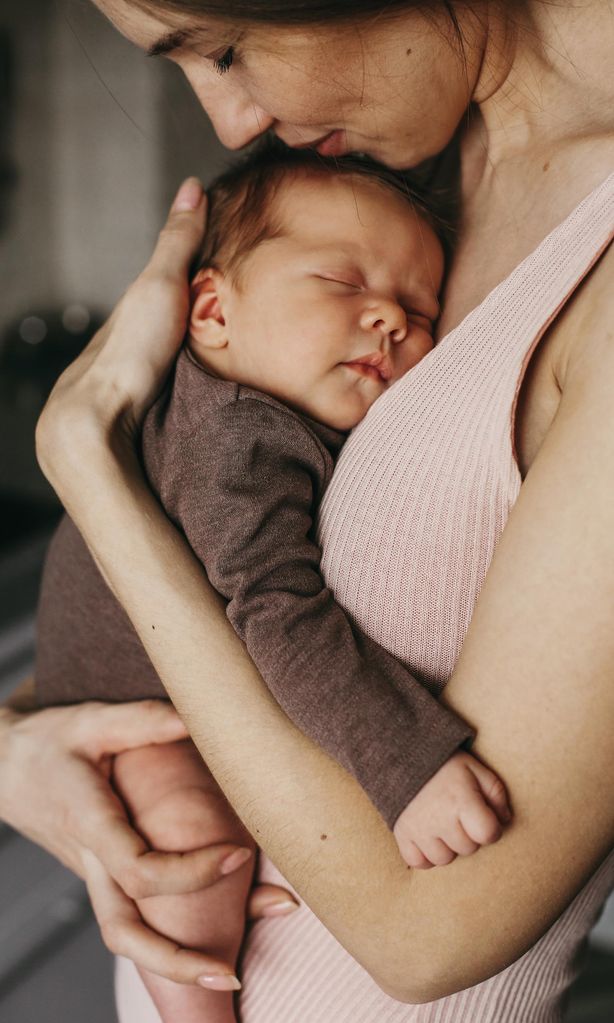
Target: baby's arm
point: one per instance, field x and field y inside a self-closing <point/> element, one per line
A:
<point x="250" y="521"/>
<point x="176" y="805"/>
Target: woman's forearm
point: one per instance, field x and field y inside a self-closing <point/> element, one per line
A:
<point x="420" y="935"/>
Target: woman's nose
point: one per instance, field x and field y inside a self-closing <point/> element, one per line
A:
<point x="236" y="119"/>
<point x="388" y="318"/>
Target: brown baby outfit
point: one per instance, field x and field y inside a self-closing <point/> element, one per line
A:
<point x="242" y="476"/>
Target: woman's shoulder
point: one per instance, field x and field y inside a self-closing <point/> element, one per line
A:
<point x="585" y="332"/>
<point x="580" y="337"/>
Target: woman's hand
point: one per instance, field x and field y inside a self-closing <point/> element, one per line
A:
<point x="122" y="370"/>
<point x="54" y="788"/>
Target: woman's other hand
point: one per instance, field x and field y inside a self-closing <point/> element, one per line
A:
<point x="55" y="790"/>
<point x="122" y="370"/>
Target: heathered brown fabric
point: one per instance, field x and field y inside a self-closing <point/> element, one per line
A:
<point x="241" y="475"/>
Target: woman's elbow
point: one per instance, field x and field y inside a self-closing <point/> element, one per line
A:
<point x="405" y="980"/>
<point x="420" y="980"/>
<point x="409" y="989"/>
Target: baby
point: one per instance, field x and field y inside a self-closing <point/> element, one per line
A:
<point x="318" y="290"/>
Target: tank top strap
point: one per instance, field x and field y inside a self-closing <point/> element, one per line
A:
<point x="477" y="369"/>
<point x="516" y="314"/>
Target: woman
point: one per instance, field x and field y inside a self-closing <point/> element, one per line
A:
<point x="536" y="145"/>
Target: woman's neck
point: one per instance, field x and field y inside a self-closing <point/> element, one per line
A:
<point x="545" y="84"/>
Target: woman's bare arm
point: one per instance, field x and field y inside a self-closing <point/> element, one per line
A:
<point x="534" y="677"/>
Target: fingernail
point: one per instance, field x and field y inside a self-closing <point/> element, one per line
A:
<point x="189" y="196"/>
<point x="235" y="860"/>
<point x="223" y="982"/>
<point x="279" y="908"/>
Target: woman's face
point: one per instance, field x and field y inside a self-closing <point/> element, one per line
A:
<point x="393" y="88"/>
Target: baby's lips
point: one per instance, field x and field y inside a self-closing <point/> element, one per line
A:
<point x="377" y="361"/>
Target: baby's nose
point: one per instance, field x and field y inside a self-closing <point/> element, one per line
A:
<point x="389" y="318"/>
<point x="399" y="333"/>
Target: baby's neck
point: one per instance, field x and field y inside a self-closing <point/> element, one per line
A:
<point x="210" y="360"/>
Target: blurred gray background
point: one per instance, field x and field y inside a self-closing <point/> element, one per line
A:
<point x="94" y="139"/>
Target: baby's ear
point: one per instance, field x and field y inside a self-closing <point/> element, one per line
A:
<point x="207" y="327"/>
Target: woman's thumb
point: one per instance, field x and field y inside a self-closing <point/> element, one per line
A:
<point x="189" y="196"/>
<point x="183" y="232"/>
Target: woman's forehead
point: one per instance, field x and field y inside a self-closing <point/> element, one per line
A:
<point x="157" y="31"/>
<point x="154" y="29"/>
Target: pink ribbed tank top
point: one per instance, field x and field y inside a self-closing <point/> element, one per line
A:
<point x="424" y="486"/>
<point x="420" y="495"/>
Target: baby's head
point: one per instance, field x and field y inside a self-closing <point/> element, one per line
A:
<point x="319" y="282"/>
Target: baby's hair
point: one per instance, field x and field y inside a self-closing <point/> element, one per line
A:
<point x="242" y="208"/>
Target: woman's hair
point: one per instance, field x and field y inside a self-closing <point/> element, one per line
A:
<point x="243" y="211"/>
<point x="295" y="12"/>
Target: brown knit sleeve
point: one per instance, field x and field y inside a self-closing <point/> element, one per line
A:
<point x="244" y="493"/>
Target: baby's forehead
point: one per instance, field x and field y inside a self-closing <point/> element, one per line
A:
<point x="347" y="209"/>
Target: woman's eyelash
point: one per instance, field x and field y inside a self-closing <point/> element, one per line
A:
<point x="224" y="63"/>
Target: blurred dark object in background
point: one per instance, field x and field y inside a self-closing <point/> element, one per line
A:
<point x="37" y="347"/>
<point x="34" y="350"/>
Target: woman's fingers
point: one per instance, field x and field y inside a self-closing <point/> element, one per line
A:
<point x="182" y="235"/>
<point x="124" y="933"/>
<point x="143" y="872"/>
<point x="101" y="825"/>
<point x="270" y="900"/>
<point x="105" y="729"/>
<point x="122" y="370"/>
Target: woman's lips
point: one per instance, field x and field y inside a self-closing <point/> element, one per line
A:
<point x="333" y="144"/>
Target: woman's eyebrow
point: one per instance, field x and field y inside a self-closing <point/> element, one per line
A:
<point x="167" y="43"/>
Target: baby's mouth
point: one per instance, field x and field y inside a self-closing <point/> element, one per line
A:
<point x="376" y="365"/>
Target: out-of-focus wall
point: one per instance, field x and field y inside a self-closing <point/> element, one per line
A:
<point x="105" y="174"/>
<point x="86" y="202"/>
<point x="100" y="136"/>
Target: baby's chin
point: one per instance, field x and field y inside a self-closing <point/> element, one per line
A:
<point x="346" y="413"/>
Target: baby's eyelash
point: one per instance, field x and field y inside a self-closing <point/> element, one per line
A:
<point x="340" y="280"/>
<point x="224" y="63"/>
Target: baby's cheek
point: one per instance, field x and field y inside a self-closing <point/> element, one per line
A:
<point x="349" y="404"/>
<point x="419" y="344"/>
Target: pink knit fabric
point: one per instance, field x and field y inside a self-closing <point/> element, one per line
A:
<point x="420" y="495"/>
